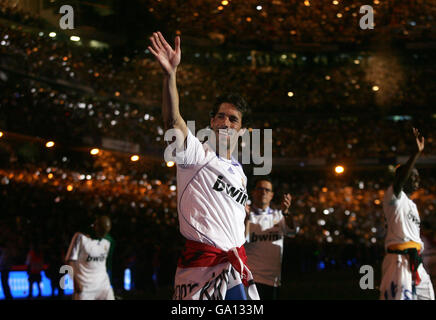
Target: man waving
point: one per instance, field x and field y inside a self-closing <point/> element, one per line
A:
<point x="211" y="193"/>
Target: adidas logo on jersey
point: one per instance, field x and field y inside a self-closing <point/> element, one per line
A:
<point x="238" y="195"/>
<point x="101" y="258"/>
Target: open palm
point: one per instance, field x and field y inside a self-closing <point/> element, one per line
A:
<point x="168" y="58"/>
<point x="419" y="140"/>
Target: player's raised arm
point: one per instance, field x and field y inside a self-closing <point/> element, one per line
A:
<point x="404" y="171"/>
<point x="169" y="59"/>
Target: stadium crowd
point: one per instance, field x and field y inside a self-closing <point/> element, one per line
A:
<point x="334" y="216"/>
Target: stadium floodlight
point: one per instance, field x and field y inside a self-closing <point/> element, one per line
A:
<point x="94" y="151"/>
<point x="339" y="169"/>
<point x="50" y="144"/>
<point x="170" y="164"/>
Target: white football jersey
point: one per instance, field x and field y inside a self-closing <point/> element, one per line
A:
<point x="211" y="196"/>
<point x="90" y="257"/>
<point x="402" y="219"/>
<point x="264" y="246"/>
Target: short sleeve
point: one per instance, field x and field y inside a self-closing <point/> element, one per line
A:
<point x="73" y="250"/>
<point x="193" y="153"/>
<point x="390" y="198"/>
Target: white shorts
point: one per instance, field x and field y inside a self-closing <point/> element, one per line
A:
<point x="396" y="281"/>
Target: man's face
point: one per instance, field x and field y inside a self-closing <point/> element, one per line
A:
<point x="413" y="181"/>
<point x="102" y="226"/>
<point x="263" y="194"/>
<point x="226" y="125"/>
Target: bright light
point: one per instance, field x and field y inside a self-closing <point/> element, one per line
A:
<point x="50" y="175"/>
<point x="339" y="15"/>
<point x="307" y="3"/>
<point x="290" y="94"/>
<point x="50" y="144"/>
<point x="339" y="169"/>
<point x="70" y="188"/>
<point x="94" y="151"/>
<point x="375" y="88"/>
<point x="224" y="2"/>
<point x="1" y="134"/>
<point x="170" y="164"/>
<point x="134" y="158"/>
<point x="259" y="8"/>
<point x="75" y="38"/>
<point x="52" y="34"/>
<point x="335" y="2"/>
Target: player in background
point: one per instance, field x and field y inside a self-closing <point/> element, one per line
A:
<point x="87" y="255"/>
<point x="265" y="231"/>
<point x="211" y="193"/>
<point x="403" y="275"/>
<point x="428" y="236"/>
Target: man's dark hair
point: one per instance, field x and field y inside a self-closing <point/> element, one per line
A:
<point x="233" y="98"/>
<point x="263" y="178"/>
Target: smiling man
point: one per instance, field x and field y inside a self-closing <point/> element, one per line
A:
<point x="211" y="193"/>
<point x="403" y="275"/>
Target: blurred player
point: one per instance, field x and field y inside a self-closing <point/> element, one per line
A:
<point x="403" y="275"/>
<point x="265" y="231"/>
<point x="87" y="255"/>
<point x="428" y="236"/>
<point x="211" y="194"/>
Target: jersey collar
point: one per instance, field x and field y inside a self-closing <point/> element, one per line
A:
<point x="259" y="211"/>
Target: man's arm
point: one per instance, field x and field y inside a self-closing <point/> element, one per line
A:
<point x="169" y="60"/>
<point x="289" y="219"/>
<point x="247" y="220"/>
<point x="77" y="286"/>
<point x="405" y="171"/>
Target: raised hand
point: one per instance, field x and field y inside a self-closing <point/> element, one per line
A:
<point x="168" y="58"/>
<point x="419" y="139"/>
<point x="286" y="203"/>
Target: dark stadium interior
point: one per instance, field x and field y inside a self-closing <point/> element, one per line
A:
<point x="332" y="93"/>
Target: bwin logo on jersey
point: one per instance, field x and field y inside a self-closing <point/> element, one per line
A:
<point x="265" y="237"/>
<point x="415" y="220"/>
<point x="101" y="258"/>
<point x="236" y="194"/>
